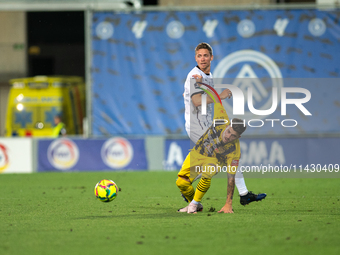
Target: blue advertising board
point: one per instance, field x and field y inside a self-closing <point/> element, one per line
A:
<point x="176" y="151"/>
<point x="294" y="151"/>
<point x="140" y="62"/>
<point x="113" y="154"/>
<point x="264" y="152"/>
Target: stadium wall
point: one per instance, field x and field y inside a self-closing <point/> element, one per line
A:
<point x="12" y="55"/>
<point x="212" y="2"/>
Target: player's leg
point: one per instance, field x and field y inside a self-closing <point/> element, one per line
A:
<point x="246" y="196"/>
<point x="202" y="188"/>
<point x="240" y="183"/>
<point x="208" y="171"/>
<point x="186" y="188"/>
<point x="184" y="182"/>
<point x="188" y="192"/>
<point x="252" y="197"/>
<point x="194" y="136"/>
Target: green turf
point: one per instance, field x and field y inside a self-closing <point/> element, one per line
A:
<point x="57" y="213"/>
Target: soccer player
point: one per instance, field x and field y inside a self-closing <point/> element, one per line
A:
<point x="196" y="123"/>
<point x="218" y="149"/>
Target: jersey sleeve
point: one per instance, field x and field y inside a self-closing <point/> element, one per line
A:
<point x="190" y="84"/>
<point x="220" y="114"/>
<point x="234" y="159"/>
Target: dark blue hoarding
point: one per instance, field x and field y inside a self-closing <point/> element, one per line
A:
<point x="113" y="154"/>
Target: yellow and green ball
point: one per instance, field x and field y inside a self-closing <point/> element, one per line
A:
<point x="106" y="190"/>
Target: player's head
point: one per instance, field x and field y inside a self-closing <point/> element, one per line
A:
<point x="238" y="125"/>
<point x="203" y="56"/>
<point x="235" y="130"/>
<point x="57" y="119"/>
<point x="204" y="45"/>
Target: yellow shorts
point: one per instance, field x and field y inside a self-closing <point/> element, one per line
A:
<point x="195" y="164"/>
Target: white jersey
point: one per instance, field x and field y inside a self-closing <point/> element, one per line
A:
<point x="196" y="123"/>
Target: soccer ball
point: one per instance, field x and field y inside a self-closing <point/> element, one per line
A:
<point x="106" y="190"/>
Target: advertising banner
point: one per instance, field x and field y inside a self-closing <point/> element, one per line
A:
<point x="145" y="58"/>
<point x="281" y="155"/>
<point x="113" y="154"/>
<point x="294" y="151"/>
<point x="176" y="151"/>
<point x="16" y="155"/>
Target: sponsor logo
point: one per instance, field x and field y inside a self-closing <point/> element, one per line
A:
<point x="246" y="28"/>
<point x="117" y="152"/>
<point x="209" y="27"/>
<point x="4" y="159"/>
<point x="175" y="29"/>
<point x="234" y="163"/>
<point x="317" y="27"/>
<point x="104" y="30"/>
<point x="139" y="28"/>
<point x="63" y="154"/>
<point x="260" y="152"/>
<point x="174" y="158"/>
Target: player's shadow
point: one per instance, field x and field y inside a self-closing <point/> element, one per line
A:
<point x="139" y="216"/>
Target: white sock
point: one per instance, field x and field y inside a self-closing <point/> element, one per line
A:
<point x="195" y="202"/>
<point x="240" y="184"/>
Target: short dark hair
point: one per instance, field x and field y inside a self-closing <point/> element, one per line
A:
<point x="204" y="45"/>
<point x="59" y="116"/>
<point x="239" y="125"/>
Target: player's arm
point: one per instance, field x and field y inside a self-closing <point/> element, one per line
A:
<point x="232" y="164"/>
<point x="227" y="208"/>
<point x="197" y="98"/>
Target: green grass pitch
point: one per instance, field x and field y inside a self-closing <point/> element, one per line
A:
<point x="57" y="213"/>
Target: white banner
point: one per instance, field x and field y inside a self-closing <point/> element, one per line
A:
<point x="16" y="155"/>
